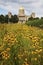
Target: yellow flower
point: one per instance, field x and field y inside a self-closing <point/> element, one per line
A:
<point x="30" y="37"/>
<point x="5" y="55"/>
<point x="25" y="59"/>
<point x="37" y="50"/>
<point x="40" y="50"/>
<point x="25" y="63"/>
<point x="35" y="59"/>
<point x="32" y="52"/>
<point x="8" y="49"/>
<point x="15" y="58"/>
<point x="39" y="55"/>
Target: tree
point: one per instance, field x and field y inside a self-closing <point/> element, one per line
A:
<point x="41" y="17"/>
<point x="11" y="19"/>
<point x="31" y="18"/>
<point x="1" y="18"/>
<point x="6" y="19"/>
<point x="15" y="19"/>
<point x="37" y="18"/>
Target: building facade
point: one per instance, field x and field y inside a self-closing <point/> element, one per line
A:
<point x="22" y="17"/>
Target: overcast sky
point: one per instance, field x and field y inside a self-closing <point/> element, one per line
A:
<point x="29" y="6"/>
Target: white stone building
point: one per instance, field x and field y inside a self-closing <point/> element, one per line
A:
<point x="22" y="16"/>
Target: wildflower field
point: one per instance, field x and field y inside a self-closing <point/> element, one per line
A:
<point x="21" y="44"/>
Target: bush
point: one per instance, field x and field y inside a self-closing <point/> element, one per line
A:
<point x="37" y="23"/>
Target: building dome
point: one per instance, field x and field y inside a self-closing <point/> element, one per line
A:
<point x="21" y="8"/>
<point x="21" y="11"/>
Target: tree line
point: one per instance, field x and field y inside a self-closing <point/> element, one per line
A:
<point x="6" y="19"/>
<point x="38" y="22"/>
<point x="14" y="19"/>
<point x="31" y="18"/>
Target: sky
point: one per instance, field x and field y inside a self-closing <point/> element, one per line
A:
<point x="30" y="6"/>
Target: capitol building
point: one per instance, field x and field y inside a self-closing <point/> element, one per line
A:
<point x="22" y="16"/>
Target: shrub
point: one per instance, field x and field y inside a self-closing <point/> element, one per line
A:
<point x="37" y="23"/>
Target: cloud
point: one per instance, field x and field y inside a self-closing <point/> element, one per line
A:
<point x="29" y="6"/>
<point x="9" y="6"/>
